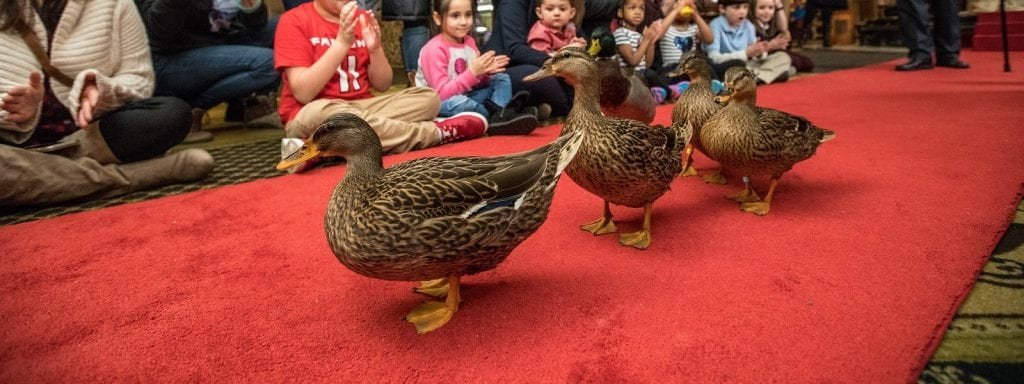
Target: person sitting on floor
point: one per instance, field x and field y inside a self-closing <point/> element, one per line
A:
<point x="330" y="55"/>
<point x="212" y="51"/>
<point x="465" y="79"/>
<point x="766" y="24"/>
<point x="735" y="43"/>
<point x="76" y="117"/>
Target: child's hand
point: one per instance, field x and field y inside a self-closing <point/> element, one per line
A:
<point x="346" y="23"/>
<point x="371" y="32"/>
<point x="488" y="63"/>
<point x="578" y="42"/>
<point x="757" y="49"/>
<point x="654" y="31"/>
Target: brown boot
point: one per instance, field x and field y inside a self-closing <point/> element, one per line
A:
<point x="197" y="134"/>
<point x="180" y="167"/>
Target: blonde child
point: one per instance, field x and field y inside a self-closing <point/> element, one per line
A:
<point x="767" y="27"/>
<point x="465" y="79"/>
<point x="735" y="43"/>
<point x="554" y="28"/>
<point x="636" y="43"/>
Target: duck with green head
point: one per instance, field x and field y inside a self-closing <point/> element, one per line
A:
<point x="623" y="93"/>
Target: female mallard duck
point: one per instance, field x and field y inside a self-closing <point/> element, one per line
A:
<point x="694" y="107"/>
<point x="623" y="93"/>
<point x="757" y="141"/>
<point x="623" y="161"/>
<point x="431" y="218"/>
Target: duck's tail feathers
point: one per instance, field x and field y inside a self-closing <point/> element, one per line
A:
<point x="568" y="144"/>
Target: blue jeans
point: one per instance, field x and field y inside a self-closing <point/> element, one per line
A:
<point x="414" y="36"/>
<point x="207" y="76"/>
<point x="498" y="91"/>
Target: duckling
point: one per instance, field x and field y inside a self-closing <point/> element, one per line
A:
<point x="757" y="141"/>
<point x="431" y="219"/>
<point x="623" y="161"/>
<point x="623" y="93"/>
<point x="694" y="107"/>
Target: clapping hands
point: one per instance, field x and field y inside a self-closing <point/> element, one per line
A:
<point x="488" y="63"/>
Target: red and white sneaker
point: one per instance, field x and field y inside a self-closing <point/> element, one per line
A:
<point x="461" y="126"/>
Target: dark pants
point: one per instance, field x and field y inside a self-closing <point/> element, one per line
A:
<point x="550" y="90"/>
<point x="913" y="15"/>
<point x="146" y="128"/>
<point x="718" y="70"/>
<point x="208" y="76"/>
<point x="826" y="22"/>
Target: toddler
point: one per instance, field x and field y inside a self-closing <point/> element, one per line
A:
<point x="735" y="43"/>
<point x="636" y="48"/>
<point x="554" y="28"/>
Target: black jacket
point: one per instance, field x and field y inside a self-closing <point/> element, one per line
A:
<point x="405" y="10"/>
<point x="179" y="25"/>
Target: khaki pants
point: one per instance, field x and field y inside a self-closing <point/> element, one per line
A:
<point x="89" y="169"/>
<point x="770" y="68"/>
<point x="403" y="120"/>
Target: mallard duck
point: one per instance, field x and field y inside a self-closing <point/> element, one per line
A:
<point x="431" y="219"/>
<point x="623" y="93"/>
<point x="625" y="162"/>
<point x="694" y="107"/>
<point x="754" y="141"/>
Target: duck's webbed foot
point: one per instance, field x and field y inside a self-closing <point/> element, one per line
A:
<point x="603" y="225"/>
<point x="759" y="208"/>
<point x="432" y="315"/>
<point x="714" y="177"/>
<point x="434" y="288"/>
<point x="640" y="239"/>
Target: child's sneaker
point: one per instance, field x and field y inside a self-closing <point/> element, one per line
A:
<point x="543" y="111"/>
<point x="658" y="94"/>
<point x="521" y="124"/>
<point x="461" y="126"/>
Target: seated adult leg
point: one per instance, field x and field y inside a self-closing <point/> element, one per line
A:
<point x="119" y="154"/>
<point x="551" y="91"/>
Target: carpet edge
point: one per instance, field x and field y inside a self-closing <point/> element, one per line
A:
<point x="926" y="353"/>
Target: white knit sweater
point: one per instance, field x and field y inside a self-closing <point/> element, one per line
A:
<point x="104" y="37"/>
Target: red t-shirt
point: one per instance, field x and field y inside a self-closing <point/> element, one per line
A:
<point x="302" y="37"/>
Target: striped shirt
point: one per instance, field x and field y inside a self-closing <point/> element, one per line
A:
<point x="624" y="36"/>
<point x="677" y="40"/>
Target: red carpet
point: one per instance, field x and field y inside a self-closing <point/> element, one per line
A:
<point x="853" y="277"/>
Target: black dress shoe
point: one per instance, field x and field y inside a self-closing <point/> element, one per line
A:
<point x="952" y="63"/>
<point x="915" y="65"/>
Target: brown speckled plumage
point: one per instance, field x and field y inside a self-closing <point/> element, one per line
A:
<point x="425" y="219"/>
<point x="697" y="104"/>
<point x="624" y="162"/>
<point x="757" y="141"/>
<point x="623" y="94"/>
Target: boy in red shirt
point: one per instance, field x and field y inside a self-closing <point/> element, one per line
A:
<point x="329" y="54"/>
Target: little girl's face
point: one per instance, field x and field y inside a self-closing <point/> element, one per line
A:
<point x="736" y="13"/>
<point x="457" y="21"/>
<point x="765" y="11"/>
<point x="555" y="13"/>
<point x="632" y="12"/>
